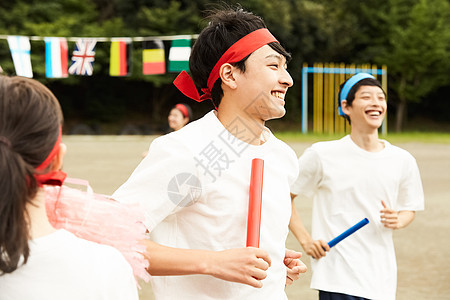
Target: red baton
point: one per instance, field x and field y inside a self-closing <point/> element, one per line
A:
<point x="255" y="202"/>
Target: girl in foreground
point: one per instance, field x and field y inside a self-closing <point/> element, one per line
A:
<point x="38" y="261"/>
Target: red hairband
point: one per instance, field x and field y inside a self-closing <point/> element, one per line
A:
<point x="54" y="177"/>
<point x="238" y="51"/>
<point x="183" y="110"/>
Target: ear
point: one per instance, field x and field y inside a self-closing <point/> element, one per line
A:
<point x="227" y="75"/>
<point x="59" y="158"/>
<point x="345" y="107"/>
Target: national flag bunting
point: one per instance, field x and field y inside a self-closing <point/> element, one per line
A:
<point x="153" y="58"/>
<point x="83" y="57"/>
<point x="179" y="55"/>
<point x="20" y="51"/>
<point x="55" y="57"/>
<point x="120" y="61"/>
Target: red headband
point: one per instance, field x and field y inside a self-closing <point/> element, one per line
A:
<point x="52" y="154"/>
<point x="183" y="110"/>
<point x="238" y="51"/>
<point x="55" y="177"/>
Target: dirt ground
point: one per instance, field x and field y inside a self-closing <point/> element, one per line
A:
<point x="422" y="258"/>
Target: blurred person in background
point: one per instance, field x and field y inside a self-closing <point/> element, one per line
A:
<point x="179" y="116"/>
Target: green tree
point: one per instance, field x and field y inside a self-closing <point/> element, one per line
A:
<point x="410" y="36"/>
<point x="418" y="53"/>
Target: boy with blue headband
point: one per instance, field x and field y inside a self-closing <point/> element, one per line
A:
<point x="356" y="177"/>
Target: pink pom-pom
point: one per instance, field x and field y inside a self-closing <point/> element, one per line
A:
<point x="99" y="219"/>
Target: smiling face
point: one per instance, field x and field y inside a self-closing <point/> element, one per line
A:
<point x="263" y="85"/>
<point x="368" y="109"/>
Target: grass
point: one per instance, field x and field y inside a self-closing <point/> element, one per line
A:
<point x="404" y="137"/>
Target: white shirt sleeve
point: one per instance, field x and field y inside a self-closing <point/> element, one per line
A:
<point x="410" y="195"/>
<point x="310" y="174"/>
<point x="149" y="183"/>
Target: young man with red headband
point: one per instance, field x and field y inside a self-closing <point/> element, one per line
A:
<point x="356" y="177"/>
<point x="194" y="183"/>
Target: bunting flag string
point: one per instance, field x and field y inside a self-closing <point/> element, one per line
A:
<point x="56" y="57"/>
<point x="179" y="55"/>
<point x="153" y="57"/>
<point x="120" y="59"/>
<point x="83" y="56"/>
<point x="20" y="48"/>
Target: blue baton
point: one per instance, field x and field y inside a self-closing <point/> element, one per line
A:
<point x="349" y="231"/>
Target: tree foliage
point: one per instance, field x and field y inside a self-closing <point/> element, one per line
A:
<point x="412" y="37"/>
<point x="418" y="50"/>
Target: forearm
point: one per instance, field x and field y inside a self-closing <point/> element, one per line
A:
<point x="243" y="265"/>
<point x="165" y="261"/>
<point x="405" y="217"/>
<point x="297" y="227"/>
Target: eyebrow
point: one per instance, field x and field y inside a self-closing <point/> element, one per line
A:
<point x="367" y="92"/>
<point x="277" y="56"/>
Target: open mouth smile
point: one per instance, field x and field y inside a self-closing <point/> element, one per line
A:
<point x="277" y="94"/>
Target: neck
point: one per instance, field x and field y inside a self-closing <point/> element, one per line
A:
<point x="239" y="123"/>
<point x="367" y="140"/>
<point x="39" y="224"/>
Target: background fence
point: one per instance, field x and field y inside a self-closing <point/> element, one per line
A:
<point x="326" y="79"/>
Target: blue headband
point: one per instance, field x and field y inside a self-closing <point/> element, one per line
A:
<point x="348" y="86"/>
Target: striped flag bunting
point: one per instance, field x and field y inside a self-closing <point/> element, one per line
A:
<point x="179" y="55"/>
<point x="56" y="57"/>
<point x="120" y="60"/>
<point x="83" y="57"/>
<point x="20" y="51"/>
<point x="153" y="58"/>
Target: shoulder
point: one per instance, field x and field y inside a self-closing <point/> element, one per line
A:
<point x="402" y="160"/>
<point x="282" y="147"/>
<point x="82" y="253"/>
<point x="285" y="157"/>
<point x="320" y="150"/>
<point x="111" y="272"/>
<point x="283" y="153"/>
<point x="318" y="153"/>
<point x="178" y="146"/>
<point x="94" y="249"/>
<point x="98" y="258"/>
<point x="399" y="153"/>
<point x="84" y="264"/>
<point x="329" y="145"/>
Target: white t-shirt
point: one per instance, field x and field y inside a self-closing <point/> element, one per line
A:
<point x="347" y="184"/>
<point x="62" y="266"/>
<point x="194" y="187"/>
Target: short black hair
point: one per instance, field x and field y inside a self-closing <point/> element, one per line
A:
<point x="225" y="27"/>
<point x="354" y="89"/>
